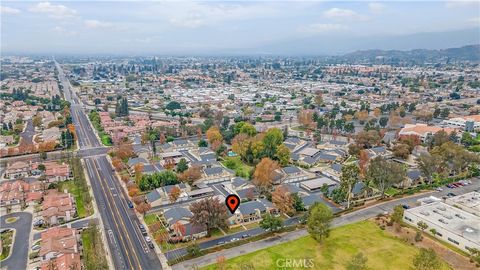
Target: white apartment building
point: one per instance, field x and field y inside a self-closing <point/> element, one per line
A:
<point x="451" y="224"/>
<point x="468" y="123"/>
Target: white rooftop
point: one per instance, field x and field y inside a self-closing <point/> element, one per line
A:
<point x="450" y="218"/>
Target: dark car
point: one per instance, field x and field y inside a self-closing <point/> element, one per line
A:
<point x="130" y="204"/>
<point x="143" y="230"/>
<point x="150" y="245"/>
<point x="245" y="235"/>
<point x="450" y="194"/>
<point x="405" y="206"/>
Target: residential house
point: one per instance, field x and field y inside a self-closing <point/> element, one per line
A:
<point x="250" y="212"/>
<point x="18" y="169"/>
<point x="57" y="207"/>
<point x="180" y="226"/>
<point x="57" y="242"/>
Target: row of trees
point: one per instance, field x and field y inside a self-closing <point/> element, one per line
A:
<point x="158" y="179"/>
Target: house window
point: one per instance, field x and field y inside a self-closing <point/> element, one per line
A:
<point x="439" y="234"/>
<point x="407" y="218"/>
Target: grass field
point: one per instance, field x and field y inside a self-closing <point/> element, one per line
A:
<point x="240" y="168"/>
<point x="383" y="250"/>
<point x="70" y="186"/>
<point x="7" y="239"/>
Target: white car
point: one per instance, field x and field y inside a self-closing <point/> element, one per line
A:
<point x="439" y="189"/>
<point x="148" y="239"/>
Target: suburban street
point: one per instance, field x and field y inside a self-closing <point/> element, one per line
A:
<point x="19" y="253"/>
<point x="351" y="217"/>
<point x="120" y="224"/>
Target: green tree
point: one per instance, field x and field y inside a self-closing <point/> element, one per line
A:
<point x="194" y="249"/>
<point x="41" y="167"/>
<point x="202" y="143"/>
<point x="350" y="175"/>
<point x="271" y="223"/>
<point x="426" y="259"/>
<point x="282" y="155"/>
<point x="182" y="165"/>
<point x="298" y="203"/>
<point x="273" y="138"/>
<point x="358" y="262"/>
<point x="318" y="222"/>
<point x="383" y="174"/>
<point x="397" y="214"/>
<point x="383" y="121"/>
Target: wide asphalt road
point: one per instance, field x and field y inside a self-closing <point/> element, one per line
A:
<point x="19" y="253"/>
<point x="345" y="219"/>
<point x="120" y="223"/>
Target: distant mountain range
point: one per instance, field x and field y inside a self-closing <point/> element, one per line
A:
<point x="465" y="53"/>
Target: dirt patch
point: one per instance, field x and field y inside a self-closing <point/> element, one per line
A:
<point x="454" y="259"/>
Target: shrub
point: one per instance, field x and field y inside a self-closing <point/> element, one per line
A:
<point x="418" y="237"/>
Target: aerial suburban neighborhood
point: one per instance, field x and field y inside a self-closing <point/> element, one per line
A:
<point x="359" y="159"/>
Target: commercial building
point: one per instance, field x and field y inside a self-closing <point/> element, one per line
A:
<point x="448" y="223"/>
<point x="469" y="202"/>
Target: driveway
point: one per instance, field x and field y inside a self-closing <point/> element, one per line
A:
<point x="19" y="255"/>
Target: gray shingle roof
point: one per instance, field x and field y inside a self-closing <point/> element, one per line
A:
<point x="153" y="196"/>
<point x="131" y="162"/>
<point x="291" y="170"/>
<point x="311" y="199"/>
<point x="213" y="171"/>
<point x="173" y="215"/>
<point x="251" y="207"/>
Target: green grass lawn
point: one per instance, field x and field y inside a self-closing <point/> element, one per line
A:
<point x="70" y="186"/>
<point x="240" y="168"/>
<point x="150" y="219"/>
<point x="383" y="250"/>
<point x="7" y="239"/>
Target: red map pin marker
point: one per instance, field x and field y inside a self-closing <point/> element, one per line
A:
<point x="232" y="201"/>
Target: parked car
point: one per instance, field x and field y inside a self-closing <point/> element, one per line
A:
<point x="450" y="194"/>
<point x="245" y="235"/>
<point x="35" y="247"/>
<point x="439" y="189"/>
<point x="143" y="230"/>
<point x="130" y="204"/>
<point x="405" y="206"/>
<point x="148" y="239"/>
<point x="234" y="239"/>
<point x="150" y="245"/>
<point x="221" y="242"/>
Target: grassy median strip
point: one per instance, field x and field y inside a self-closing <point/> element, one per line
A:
<point x="93" y="249"/>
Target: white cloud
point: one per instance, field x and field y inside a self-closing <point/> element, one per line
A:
<point x="9" y="10"/>
<point x="197" y="14"/>
<point x="323" y="27"/>
<point x="475" y="21"/>
<point x="376" y="8"/>
<point x="344" y="14"/>
<point x="461" y="3"/>
<point x="63" y="31"/>
<point x="95" y="24"/>
<point x="54" y="11"/>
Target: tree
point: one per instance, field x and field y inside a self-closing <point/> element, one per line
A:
<point x="383" y="121"/>
<point x="202" y="143"/>
<point x="244" y="128"/>
<point x="401" y="150"/>
<point x="270" y="223"/>
<point x="143" y="208"/>
<point x="422" y="225"/>
<point x="214" y="136"/>
<point x="305" y="117"/>
<point x="282" y="200"/>
<point x="318" y="222"/>
<point x="350" y="175"/>
<point x="173" y="105"/>
<point x="264" y="173"/>
<point x="193" y="250"/>
<point x="319" y="98"/>
<point x="383" y="174"/>
<point x="221" y="263"/>
<point x="363" y="159"/>
<point x="121" y="109"/>
<point x="358" y="262"/>
<point x="41" y="167"/>
<point x="182" y="165"/>
<point x="209" y="213"/>
<point x="428" y="165"/>
<point x="37" y="121"/>
<point x="397" y="214"/>
<point x="440" y="138"/>
<point x="426" y="259"/>
<point x="43" y="155"/>
<point x="445" y="113"/>
<point x="368" y="139"/>
<point x="138" y="168"/>
<point x="174" y="194"/>
<point x="273" y="138"/>
<point x="283" y="155"/>
<point x="191" y="174"/>
<point x="297" y="203"/>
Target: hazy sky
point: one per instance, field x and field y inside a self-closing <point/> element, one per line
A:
<point x="180" y="27"/>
